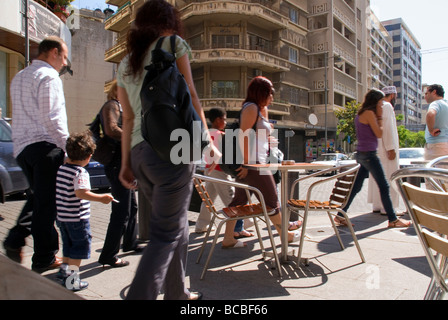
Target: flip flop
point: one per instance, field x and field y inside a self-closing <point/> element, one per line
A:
<point x="294" y="225"/>
<point x="242" y="235"/>
<point x="239" y="244"/>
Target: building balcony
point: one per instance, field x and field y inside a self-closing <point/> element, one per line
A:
<point x="257" y="14"/>
<point x="240" y="57"/>
<point x="117" y="52"/>
<point x="120" y="20"/>
<point x="117" y="3"/>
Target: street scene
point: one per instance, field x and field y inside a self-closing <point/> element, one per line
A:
<point x="223" y="150"/>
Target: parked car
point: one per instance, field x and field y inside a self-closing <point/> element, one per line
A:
<point x="98" y="179"/>
<point x="334" y="159"/>
<point x="12" y="179"/>
<point x="407" y="155"/>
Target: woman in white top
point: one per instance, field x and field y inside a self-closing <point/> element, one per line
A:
<point x="255" y="112"/>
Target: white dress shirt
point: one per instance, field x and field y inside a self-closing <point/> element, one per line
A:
<point x="38" y="112"/>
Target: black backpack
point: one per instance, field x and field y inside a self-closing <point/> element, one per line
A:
<point x="167" y="106"/>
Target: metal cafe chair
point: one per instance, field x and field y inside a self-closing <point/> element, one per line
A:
<point x="344" y="179"/>
<point x="254" y="211"/>
<point x="440" y="162"/>
<point x="429" y="213"/>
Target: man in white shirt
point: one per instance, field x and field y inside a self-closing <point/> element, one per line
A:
<point x="39" y="133"/>
<point x="388" y="153"/>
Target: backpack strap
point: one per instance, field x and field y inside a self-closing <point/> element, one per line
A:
<point x="159" y="43"/>
<point x="173" y="44"/>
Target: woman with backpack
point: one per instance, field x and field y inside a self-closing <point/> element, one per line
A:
<point x="167" y="187"/>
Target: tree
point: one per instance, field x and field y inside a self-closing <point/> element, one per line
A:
<point x="346" y="123"/>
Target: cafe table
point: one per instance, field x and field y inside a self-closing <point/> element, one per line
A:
<point x="284" y="193"/>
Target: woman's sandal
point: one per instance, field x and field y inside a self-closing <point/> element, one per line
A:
<point x="243" y="234"/>
<point x="294" y="225"/>
<point x="399" y="223"/>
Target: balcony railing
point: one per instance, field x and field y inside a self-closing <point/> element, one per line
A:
<point x="235" y="7"/>
<point x="242" y="57"/>
<point x="120" y="20"/>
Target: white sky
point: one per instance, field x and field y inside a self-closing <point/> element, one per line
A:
<point x="427" y="20"/>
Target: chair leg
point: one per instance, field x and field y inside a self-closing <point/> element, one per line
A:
<point x="274" y="249"/>
<point x="207" y="235"/>
<point x="215" y="239"/>
<point x="260" y="240"/>
<point x="336" y="231"/>
<point x="355" y="239"/>
<point x="302" y="237"/>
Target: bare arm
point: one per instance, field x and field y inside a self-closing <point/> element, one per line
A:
<point x="126" y="176"/>
<point x="88" y="195"/>
<point x="431" y="121"/>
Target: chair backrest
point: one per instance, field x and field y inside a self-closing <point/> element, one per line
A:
<point x="429" y="213"/>
<point x="345" y="179"/>
<point x="202" y="191"/>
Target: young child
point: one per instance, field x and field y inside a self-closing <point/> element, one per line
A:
<point x="73" y="198"/>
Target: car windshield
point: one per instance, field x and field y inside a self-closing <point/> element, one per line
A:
<point x="415" y="153"/>
<point x="326" y="157"/>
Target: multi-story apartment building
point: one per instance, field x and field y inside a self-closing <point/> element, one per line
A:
<point x="380" y="53"/>
<point x="315" y="52"/>
<point x="407" y="72"/>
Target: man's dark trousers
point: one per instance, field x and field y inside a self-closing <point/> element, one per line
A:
<point x="40" y="162"/>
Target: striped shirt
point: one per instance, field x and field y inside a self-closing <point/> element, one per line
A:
<point x="69" y="207"/>
<point x="38" y="112"/>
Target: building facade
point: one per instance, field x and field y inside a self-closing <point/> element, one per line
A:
<point x="320" y="55"/>
<point x="407" y="72"/>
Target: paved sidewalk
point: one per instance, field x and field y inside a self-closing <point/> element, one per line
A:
<point x="396" y="268"/>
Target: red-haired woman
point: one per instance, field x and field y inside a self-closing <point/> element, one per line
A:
<point x="254" y="114"/>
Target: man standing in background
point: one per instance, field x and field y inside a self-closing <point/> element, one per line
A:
<point x="436" y="133"/>
<point x="39" y="134"/>
<point x="388" y="147"/>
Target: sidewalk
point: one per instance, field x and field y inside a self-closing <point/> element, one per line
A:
<point x="395" y="267"/>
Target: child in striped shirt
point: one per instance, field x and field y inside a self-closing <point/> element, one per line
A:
<point x="73" y="198"/>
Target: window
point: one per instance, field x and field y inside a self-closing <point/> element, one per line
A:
<point x="225" y="41"/>
<point x="225" y="89"/>
<point x="293" y="15"/>
<point x="293" y="55"/>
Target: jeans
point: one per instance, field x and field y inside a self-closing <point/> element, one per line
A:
<point x="370" y="163"/>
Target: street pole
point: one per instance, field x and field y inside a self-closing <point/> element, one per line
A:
<point x="27" y="37"/>
<point x="326" y="99"/>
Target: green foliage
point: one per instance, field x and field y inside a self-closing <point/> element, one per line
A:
<point x="409" y="139"/>
<point x="346" y="123"/>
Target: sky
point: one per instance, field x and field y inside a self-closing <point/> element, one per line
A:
<point x="427" y="21"/>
